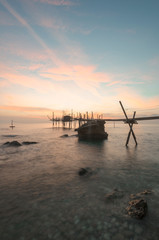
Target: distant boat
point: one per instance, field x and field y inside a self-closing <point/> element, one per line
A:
<point x="92" y="130"/>
<point x="12" y="125"/>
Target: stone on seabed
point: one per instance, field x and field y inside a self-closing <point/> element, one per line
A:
<point x="137" y="208"/>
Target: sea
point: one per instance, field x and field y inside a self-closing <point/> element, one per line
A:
<point x="43" y="197"/>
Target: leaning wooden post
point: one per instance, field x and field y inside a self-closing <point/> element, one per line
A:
<point x="128" y="122"/>
<point x="131" y="125"/>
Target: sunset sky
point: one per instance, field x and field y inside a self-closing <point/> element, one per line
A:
<point x="84" y="55"/>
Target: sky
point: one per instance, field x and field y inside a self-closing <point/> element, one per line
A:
<point x="80" y="55"/>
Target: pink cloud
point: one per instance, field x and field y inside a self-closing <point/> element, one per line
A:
<point x="40" y="85"/>
<point x="86" y="77"/>
<point x="25" y="109"/>
<point x="135" y="100"/>
<point x="3" y="83"/>
<point x="77" y="73"/>
<point x="113" y="83"/>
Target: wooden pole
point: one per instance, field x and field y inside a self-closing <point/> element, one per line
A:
<point x="131" y="125"/>
<point x="87" y="114"/>
<point x="52" y="119"/>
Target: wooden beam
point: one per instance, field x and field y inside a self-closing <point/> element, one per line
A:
<point x="130" y="124"/>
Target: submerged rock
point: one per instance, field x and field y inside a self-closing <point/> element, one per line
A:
<point x="115" y="194"/>
<point x="12" y="144"/>
<point x="85" y="171"/>
<point x="17" y="144"/>
<point x="65" y="135"/>
<point x="28" y="143"/>
<point x="137" y="208"/>
<point x="139" y="195"/>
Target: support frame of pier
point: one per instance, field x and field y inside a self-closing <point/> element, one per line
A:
<point x="130" y="122"/>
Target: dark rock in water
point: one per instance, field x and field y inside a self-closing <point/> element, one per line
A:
<point x="65" y="135"/>
<point x="12" y="144"/>
<point x="17" y="144"/>
<point x="28" y="143"/>
<point x="92" y="130"/>
<point x="85" y="171"/>
<point x="6" y="143"/>
<point x="137" y="208"/>
<point x="115" y="194"/>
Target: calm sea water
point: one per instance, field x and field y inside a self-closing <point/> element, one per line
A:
<point x="43" y="197"/>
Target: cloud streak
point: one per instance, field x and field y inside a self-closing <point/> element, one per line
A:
<point x="57" y="2"/>
<point x="25" y="109"/>
<point x="53" y="57"/>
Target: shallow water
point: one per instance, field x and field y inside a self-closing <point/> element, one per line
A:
<point x="43" y="197"/>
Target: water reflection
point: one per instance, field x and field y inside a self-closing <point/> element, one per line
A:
<point x="43" y="197"/>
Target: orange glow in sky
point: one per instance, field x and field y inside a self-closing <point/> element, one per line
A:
<point x="80" y="55"/>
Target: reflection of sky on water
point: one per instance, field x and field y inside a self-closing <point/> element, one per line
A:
<point x="40" y="184"/>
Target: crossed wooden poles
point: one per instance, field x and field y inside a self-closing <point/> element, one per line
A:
<point x="130" y="122"/>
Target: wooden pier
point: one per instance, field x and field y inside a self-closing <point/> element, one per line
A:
<point x="71" y="121"/>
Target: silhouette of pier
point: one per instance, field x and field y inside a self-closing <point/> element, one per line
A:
<point x="73" y="121"/>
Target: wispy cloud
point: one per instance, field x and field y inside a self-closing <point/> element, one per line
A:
<point x="3" y="83"/>
<point x="51" y="54"/>
<point x="57" y="2"/>
<point x="86" y="77"/>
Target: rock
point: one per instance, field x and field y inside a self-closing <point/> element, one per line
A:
<point x="28" y="143"/>
<point x="82" y="171"/>
<point x="137" y="208"/>
<point x="138" y="195"/>
<point x="65" y="135"/>
<point x="12" y="144"/>
<point x="114" y="195"/>
<point x="85" y="171"/>
<point x="145" y="192"/>
<point x="6" y="143"/>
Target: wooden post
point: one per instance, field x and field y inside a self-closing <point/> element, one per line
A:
<point x="52" y="119"/>
<point x="87" y="114"/>
<point x="130" y="125"/>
